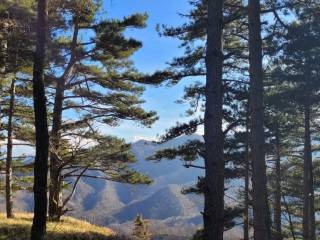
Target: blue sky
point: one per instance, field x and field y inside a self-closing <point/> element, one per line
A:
<point x="153" y="56"/>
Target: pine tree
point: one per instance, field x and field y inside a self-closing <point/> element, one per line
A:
<point x="18" y="19"/>
<point x="9" y="200"/>
<point x="42" y="136"/>
<point x="90" y="81"/>
<point x="257" y="142"/>
<point x="293" y="97"/>
<point x="213" y="214"/>
<point x="97" y="83"/>
<point x="301" y="87"/>
<point x="141" y="229"/>
<point x="192" y="64"/>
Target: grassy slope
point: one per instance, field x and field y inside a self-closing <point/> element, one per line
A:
<point x="68" y="229"/>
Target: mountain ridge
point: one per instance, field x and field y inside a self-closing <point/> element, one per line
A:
<point x="114" y="204"/>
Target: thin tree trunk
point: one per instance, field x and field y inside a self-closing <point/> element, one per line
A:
<point x="259" y="180"/>
<point x="277" y="205"/>
<point x="214" y="160"/>
<point x="9" y="199"/>
<point x="55" y="193"/>
<point x="308" y="205"/>
<point x="290" y="218"/>
<point x="306" y="191"/>
<point x="246" y="221"/>
<point x="42" y="136"/>
<point x="3" y="59"/>
<point x="312" y="210"/>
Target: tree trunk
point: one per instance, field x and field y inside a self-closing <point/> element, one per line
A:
<point x="259" y="180"/>
<point x="214" y="160"/>
<point x="277" y="200"/>
<point x="42" y="137"/>
<point x="246" y="221"/>
<point x="55" y="193"/>
<point x="289" y="218"/>
<point x="9" y="200"/>
<point x="308" y="204"/>
<point x="312" y="210"/>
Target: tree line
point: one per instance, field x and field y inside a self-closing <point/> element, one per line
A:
<point x="76" y="67"/>
<point x="255" y="66"/>
<point x="255" y="94"/>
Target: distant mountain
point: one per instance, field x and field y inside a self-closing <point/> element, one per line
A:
<point x="113" y="204"/>
<point x="170" y="212"/>
<point x="163" y="204"/>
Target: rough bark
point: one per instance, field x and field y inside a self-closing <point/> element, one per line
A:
<point x="213" y="215"/>
<point x="277" y="200"/>
<point x="259" y="180"/>
<point x="41" y="127"/>
<point x="9" y="198"/>
<point x="308" y="204"/>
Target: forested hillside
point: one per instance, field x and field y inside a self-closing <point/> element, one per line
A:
<point x="161" y="202"/>
<point x="194" y="119"/>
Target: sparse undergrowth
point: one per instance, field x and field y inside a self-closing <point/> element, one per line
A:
<point x="68" y="229"/>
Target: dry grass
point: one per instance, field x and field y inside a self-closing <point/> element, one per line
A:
<point x="68" y="229"/>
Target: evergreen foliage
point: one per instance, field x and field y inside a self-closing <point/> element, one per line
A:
<point x="254" y="92"/>
<point x="141" y="231"/>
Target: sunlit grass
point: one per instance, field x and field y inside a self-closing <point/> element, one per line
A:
<point x="68" y="229"/>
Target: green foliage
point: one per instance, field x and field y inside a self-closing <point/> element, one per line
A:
<point x="101" y="86"/>
<point x="141" y="231"/>
<point x="89" y="62"/>
<point x="107" y="158"/>
<point x="105" y="79"/>
<point x="191" y="64"/>
<point x="292" y="84"/>
<point x="198" y="235"/>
